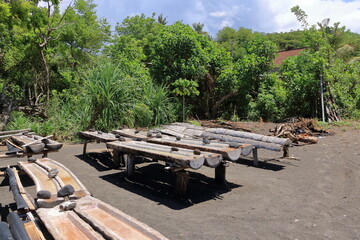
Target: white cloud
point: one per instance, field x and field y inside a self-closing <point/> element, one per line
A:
<point x="347" y="13"/>
<point x="218" y="14"/>
<point x="258" y="15"/>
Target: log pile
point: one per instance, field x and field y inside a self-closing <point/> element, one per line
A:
<point x="299" y="130"/>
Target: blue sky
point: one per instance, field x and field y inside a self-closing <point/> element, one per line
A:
<point x="259" y="15"/>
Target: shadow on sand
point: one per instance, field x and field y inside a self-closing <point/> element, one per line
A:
<point x="153" y="182"/>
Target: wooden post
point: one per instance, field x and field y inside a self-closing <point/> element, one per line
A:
<point x="85" y="145"/>
<point x="255" y="157"/>
<point x="129" y="160"/>
<point x="182" y="179"/>
<point x="116" y="158"/>
<point x="220" y="172"/>
<point x="286" y="151"/>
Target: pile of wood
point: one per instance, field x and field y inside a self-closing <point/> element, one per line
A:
<point x="299" y="130"/>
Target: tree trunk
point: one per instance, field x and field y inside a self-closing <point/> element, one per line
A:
<point x="47" y="76"/>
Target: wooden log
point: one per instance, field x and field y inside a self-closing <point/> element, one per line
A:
<point x="182" y="158"/>
<point x="258" y="144"/>
<point x="252" y="136"/>
<point x="28" y="199"/>
<point x="132" y="133"/>
<point x="255" y="157"/>
<point x="227" y="152"/>
<point x="129" y="160"/>
<point x="182" y="179"/>
<point x="15" y="131"/>
<point x="220" y="173"/>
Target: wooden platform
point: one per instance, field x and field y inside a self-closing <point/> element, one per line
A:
<point x="228" y="153"/>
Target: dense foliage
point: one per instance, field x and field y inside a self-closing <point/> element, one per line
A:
<point x="64" y="71"/>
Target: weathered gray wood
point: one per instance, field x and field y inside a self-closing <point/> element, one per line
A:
<point x="286" y="151"/>
<point x="255" y="157"/>
<point x="15" y="131"/>
<point x="227" y="152"/>
<point x="252" y="136"/>
<point x="85" y="146"/>
<point x="182" y="158"/>
<point x="132" y="133"/>
<point x="258" y="144"/>
<point x="102" y="137"/>
<point x="129" y="160"/>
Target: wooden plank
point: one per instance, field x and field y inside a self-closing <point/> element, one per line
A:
<point x="66" y="225"/>
<point x="132" y="133"/>
<point x="113" y="223"/>
<point x="27" y="197"/>
<point x="100" y="136"/>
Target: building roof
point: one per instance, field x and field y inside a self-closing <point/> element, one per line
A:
<point x="282" y="55"/>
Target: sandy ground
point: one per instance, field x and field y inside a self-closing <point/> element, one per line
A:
<point x="314" y="197"/>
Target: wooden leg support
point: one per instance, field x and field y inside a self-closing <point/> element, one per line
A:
<point x="117" y="158"/>
<point x="255" y="157"/>
<point x="220" y="173"/>
<point x="130" y="164"/>
<point x="182" y="179"/>
<point x="286" y="151"/>
<point x="85" y="145"/>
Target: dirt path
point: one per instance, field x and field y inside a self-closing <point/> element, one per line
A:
<point x="315" y="197"/>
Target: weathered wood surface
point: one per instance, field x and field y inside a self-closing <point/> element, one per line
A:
<point x="133" y="133"/>
<point x="179" y="156"/>
<point x="113" y="223"/>
<point x="66" y="225"/>
<point x="66" y="177"/>
<point x="15" y="131"/>
<point x="224" y="138"/>
<point x="99" y="136"/>
<point x="224" y="149"/>
<point x="26" y="154"/>
<point x="251" y="136"/>
<point x="40" y="177"/>
<point x="28" y="144"/>
<point x="28" y="199"/>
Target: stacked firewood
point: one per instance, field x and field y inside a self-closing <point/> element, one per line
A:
<point x="299" y="130"/>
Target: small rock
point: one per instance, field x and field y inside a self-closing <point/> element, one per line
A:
<point x="174" y="149"/>
<point x="197" y="152"/>
<point x="44" y="194"/>
<point x="149" y="134"/>
<point x="67" y="190"/>
<point x="206" y="141"/>
<point x="138" y="139"/>
<point x="53" y="173"/>
<point x="121" y="139"/>
<point x="136" y="131"/>
<point x="158" y="135"/>
<point x="178" y="138"/>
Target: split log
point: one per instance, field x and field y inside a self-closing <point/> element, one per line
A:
<point x="258" y="144"/>
<point x="224" y="149"/>
<point x="251" y="136"/>
<point x="182" y="157"/>
<point x="15" y="131"/>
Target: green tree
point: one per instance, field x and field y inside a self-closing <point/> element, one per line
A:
<point x="184" y="87"/>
